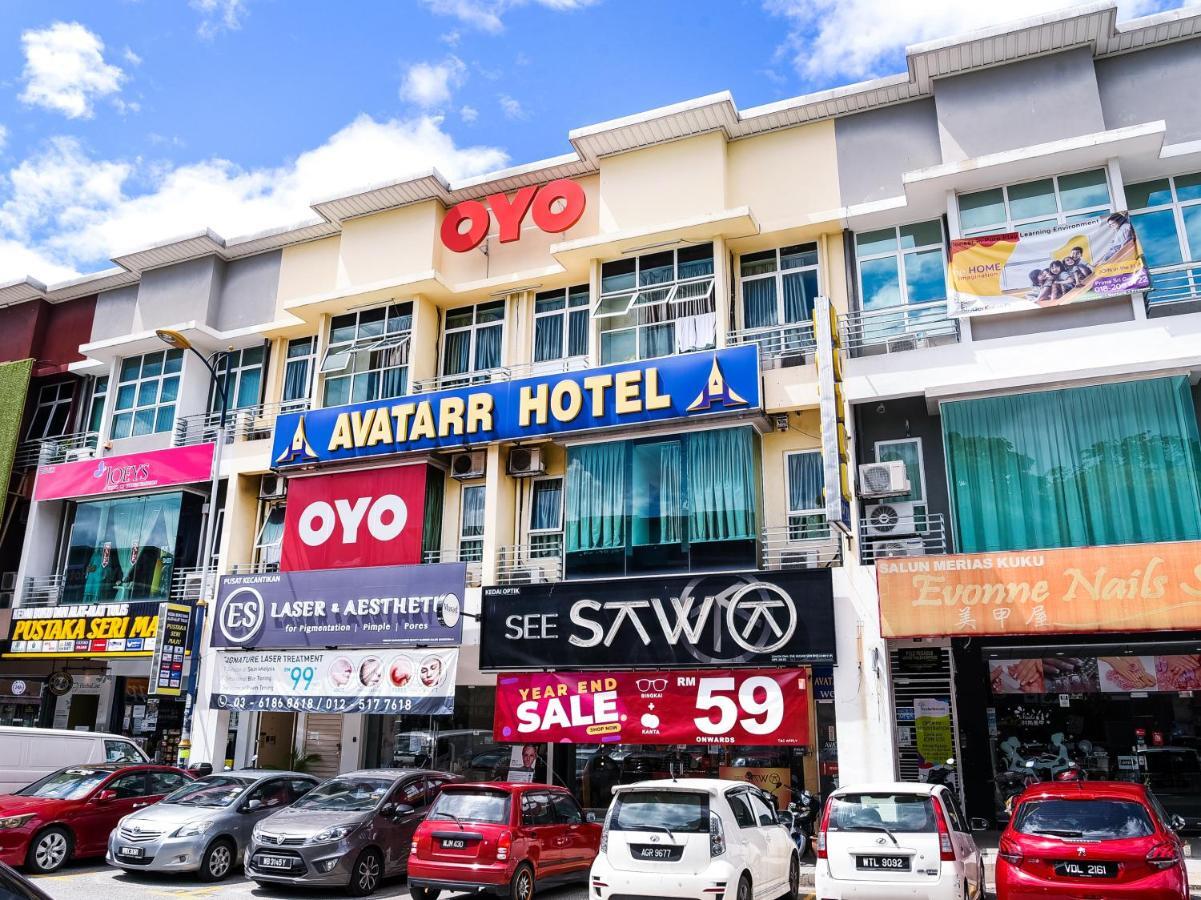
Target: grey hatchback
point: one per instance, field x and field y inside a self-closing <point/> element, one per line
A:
<point x="353" y="830"/>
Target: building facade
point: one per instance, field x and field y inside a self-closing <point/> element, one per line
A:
<point x="589" y="420"/>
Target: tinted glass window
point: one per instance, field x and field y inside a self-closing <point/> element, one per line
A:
<point x="655" y="810"/>
<point x="471" y="806"/>
<point x="1097" y="820"/>
<point x="65" y="784"/>
<point x="414" y="793"/>
<point x="211" y="791"/>
<point x="350" y="794"/>
<point x="128" y="786"/>
<point x="762" y="810"/>
<point x="536" y="810"/>
<point x="122" y="751"/>
<point x="566" y="809"/>
<point x="300" y="787"/>
<point x="740" y="805"/>
<point x="910" y="813"/>
<point x="166" y="782"/>
<point x="272" y="794"/>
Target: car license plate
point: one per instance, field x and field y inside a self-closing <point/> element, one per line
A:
<point x="275" y="862"/>
<point x="131" y="852"/>
<point x="1082" y="869"/>
<point x="454" y="844"/>
<point x="656" y="852"/>
<point x="882" y="863"/>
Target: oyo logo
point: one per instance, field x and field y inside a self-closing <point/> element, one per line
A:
<point x="242" y="616"/>
<point x="384" y="516"/>
<point x="555" y="207"/>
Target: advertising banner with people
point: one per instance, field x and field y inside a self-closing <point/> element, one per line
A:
<point x="77" y="631"/>
<point x="416" y="682"/>
<point x="121" y="474"/>
<point x="1001" y="273"/>
<point x="760" y="707"/>
<point x="379" y="606"/>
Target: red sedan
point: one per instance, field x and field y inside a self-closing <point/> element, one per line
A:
<point x="1090" y="839"/>
<point x="70" y="813"/>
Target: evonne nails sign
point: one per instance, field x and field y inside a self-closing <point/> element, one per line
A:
<point x="554" y="207"/>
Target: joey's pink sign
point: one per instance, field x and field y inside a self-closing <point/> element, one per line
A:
<point x="125" y="473"/>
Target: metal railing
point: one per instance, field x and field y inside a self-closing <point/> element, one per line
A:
<point x="475" y="565"/>
<point x="251" y="423"/>
<point x="807" y="542"/>
<point x="537" y="562"/>
<point x="499" y="373"/>
<point x="262" y="567"/>
<point x="1180" y="283"/>
<point x="898" y="328"/>
<point x="186" y="587"/>
<point x="52" y="450"/>
<point x="43" y="590"/>
<point x="778" y="341"/>
<point x="898" y="534"/>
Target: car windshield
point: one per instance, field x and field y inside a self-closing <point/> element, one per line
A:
<point x="677" y="811"/>
<point x="353" y="794"/>
<point x="66" y="784"/>
<point x="491" y="807"/>
<point x="1095" y="819"/>
<point x="212" y="790"/>
<point x="905" y="813"/>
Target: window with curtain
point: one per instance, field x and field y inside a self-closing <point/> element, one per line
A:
<point x="51" y="411"/>
<point x="471" y="523"/>
<point x="268" y="547"/>
<point x="806" y="492"/>
<point x="471" y="342"/>
<point x="561" y="323"/>
<point x="147" y="387"/>
<point x="1166" y="214"/>
<point x="243" y="369"/>
<point x="778" y="286"/>
<point x="909" y="451"/>
<point x="657" y="305"/>
<point x="546" y="517"/>
<point x="901" y="265"/>
<point x="1104" y="464"/>
<point x="298" y="371"/>
<point x="96" y="403"/>
<point x="1031" y="205"/>
<point x="368" y="355"/>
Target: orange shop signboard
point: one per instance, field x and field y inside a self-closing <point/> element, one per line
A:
<point x="1132" y="587"/>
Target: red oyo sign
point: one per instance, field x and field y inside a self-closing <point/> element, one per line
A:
<point x="555" y="207"/>
<point x="750" y="707"/>
<point x="370" y="518"/>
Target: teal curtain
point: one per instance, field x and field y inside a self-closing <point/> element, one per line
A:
<point x="721" y="485"/>
<point x="908" y="453"/>
<point x="670" y="521"/>
<point x="799" y="290"/>
<point x="806" y="490"/>
<point x="431" y="525"/>
<point x="596" y="491"/>
<point x="759" y="302"/>
<point x="1106" y="464"/>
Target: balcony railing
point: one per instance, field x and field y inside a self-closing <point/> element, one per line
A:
<point x="794" y="341"/>
<point x="475" y="565"/>
<point x="898" y="328"/>
<point x="262" y="567"/>
<point x="499" y="373"/>
<point x="52" y="450"/>
<point x="248" y="424"/>
<point x="43" y="590"/>
<point x="537" y="562"/>
<point x="1174" y="284"/>
<point x="917" y="534"/>
<point x="186" y="587"/>
<point x="808" y="543"/>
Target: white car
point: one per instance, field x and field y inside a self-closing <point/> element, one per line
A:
<point x="694" y="837"/>
<point x="897" y="840"/>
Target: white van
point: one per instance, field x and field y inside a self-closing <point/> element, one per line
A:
<point x="26" y="754"/>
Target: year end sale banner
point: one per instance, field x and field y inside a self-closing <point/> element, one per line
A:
<point x="759" y="707"/>
<point x="1001" y="273"/>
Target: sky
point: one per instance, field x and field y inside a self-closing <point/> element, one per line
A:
<point x="126" y="123"/>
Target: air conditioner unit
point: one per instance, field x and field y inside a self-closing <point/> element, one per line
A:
<point x="906" y="547"/>
<point x="273" y="487"/>
<point x="526" y="461"/>
<point x="78" y="453"/>
<point x="527" y="575"/>
<point x="791" y="558"/>
<point x="904" y="342"/>
<point x="883" y="479"/>
<point x="887" y="520"/>
<point x="468" y="465"/>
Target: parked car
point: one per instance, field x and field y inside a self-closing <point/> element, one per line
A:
<point x="904" y="837"/>
<point x="70" y="813"/>
<point x="204" y="826"/>
<point x="503" y="839"/>
<point x="15" y="886"/>
<point x="1089" y="839"/>
<point x="694" y="837"/>
<point x="352" y="830"/>
<point x="27" y="754"/>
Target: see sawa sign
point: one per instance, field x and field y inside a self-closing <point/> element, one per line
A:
<point x="554" y="207"/>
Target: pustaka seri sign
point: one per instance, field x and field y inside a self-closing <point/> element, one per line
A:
<point x="554" y="207"/>
<point x="101" y="630"/>
<point x="677" y="387"/>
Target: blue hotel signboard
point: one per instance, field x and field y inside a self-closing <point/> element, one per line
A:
<point x="676" y="387"/>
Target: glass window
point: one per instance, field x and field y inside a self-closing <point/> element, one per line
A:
<point x="1166" y="214"/>
<point x="880" y="812"/>
<point x="166" y="782"/>
<point x="1035" y="204"/>
<point x="762" y="809"/>
<point x="368" y="355"/>
<point x="298" y="370"/>
<point x="561" y="323"/>
<point x="472" y="342"/>
<point x="1091" y="820"/>
<point x="96" y="404"/>
<point x="146" y="390"/>
<point x="740" y="806"/>
<point x="778" y="286"/>
<point x="122" y="751"/>
<point x="269" y="545"/>
<point x="73" y="783"/>
<point x="806" y="491"/>
<point x="903" y="265"/>
<point x="684" y="812"/>
<point x="51" y="411"/>
<point x="566" y="809"/>
<point x="908" y="450"/>
<point x="471" y="532"/>
<point x="536" y="810"/>
<point x="486" y="806"/>
<point x="128" y="786"/>
<point x="243" y="370"/>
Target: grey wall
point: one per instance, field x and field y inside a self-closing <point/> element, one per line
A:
<point x="876" y="148"/>
<point x="1055" y="318"/>
<point x="116" y="313"/>
<point x="183" y="292"/>
<point x="1032" y="102"/>
<point x="1131" y="89"/>
<point x="248" y="291"/>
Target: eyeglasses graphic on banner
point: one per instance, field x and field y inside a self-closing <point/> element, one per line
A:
<point x="651" y="685"/>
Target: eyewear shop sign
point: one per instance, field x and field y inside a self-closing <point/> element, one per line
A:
<point x="417" y="682"/>
<point x="693" y="384"/>
<point x="104" y="630"/>
<point x="782" y="618"/>
<point x="761" y="707"/>
<point x="376" y="607"/>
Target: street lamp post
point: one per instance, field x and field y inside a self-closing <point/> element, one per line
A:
<point x="177" y="341"/>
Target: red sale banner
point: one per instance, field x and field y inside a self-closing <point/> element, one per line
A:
<point x="751" y="707"/>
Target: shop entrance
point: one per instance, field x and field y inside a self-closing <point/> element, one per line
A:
<point x="83" y="711"/>
<point x="276" y="735"/>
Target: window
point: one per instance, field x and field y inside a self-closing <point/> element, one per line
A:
<point x="299" y="787"/>
<point x="272" y="794"/>
<point x="1166" y="214"/>
<point x="899" y="813"/>
<point x="909" y="451"/>
<point x="268" y="547"/>
<point x="740" y="805"/>
<point x="413" y="793"/>
<point x="166" y="782"/>
<point x="51" y="412"/>
<point x="147" y="387"/>
<point x="778" y="286"/>
<point x="243" y="369"/>
<point x="298" y="371"/>
<point x="122" y="752"/>
<point x="1096" y="819"/>
<point x="536" y="810"/>
<point x="657" y="305"/>
<point x="546" y="517"/>
<point x="368" y="355"/>
<point x="902" y="265"/>
<point x="96" y="404"/>
<point x="472" y="342"/>
<point x="806" y="490"/>
<point x="471" y="531"/>
<point x="1032" y="205"/>
<point x="128" y="786"/>
<point x="762" y="809"/>
<point x="681" y="812"/>
<point x="561" y="323"/>
<point x="567" y="810"/>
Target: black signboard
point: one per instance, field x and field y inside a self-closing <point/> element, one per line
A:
<point x="728" y="619"/>
<point x="919" y="660"/>
<point x="166" y="666"/>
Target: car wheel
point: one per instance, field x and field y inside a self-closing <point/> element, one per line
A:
<point x="366" y="874"/>
<point x="423" y="893"/>
<point x="49" y="850"/>
<point x="794" y="879"/>
<point x="218" y="861"/>
<point x="744" y="888"/>
<point x="522" y="885"/>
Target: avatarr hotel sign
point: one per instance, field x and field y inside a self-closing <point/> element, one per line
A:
<point x="678" y="387"/>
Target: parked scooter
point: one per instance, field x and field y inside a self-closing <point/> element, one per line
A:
<point x="798" y="819"/>
<point x="941" y="773"/>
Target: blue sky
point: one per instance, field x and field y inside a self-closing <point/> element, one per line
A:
<point x="128" y="122"/>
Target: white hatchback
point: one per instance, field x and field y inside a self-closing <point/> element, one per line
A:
<point x="694" y="837"/>
<point x="896" y="840"/>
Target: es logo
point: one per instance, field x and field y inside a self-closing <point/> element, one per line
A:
<point x="242" y="616"/>
<point x="384" y="518"/>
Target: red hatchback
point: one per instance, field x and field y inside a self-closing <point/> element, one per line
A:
<point x="1090" y="839"/>
<point x="70" y="813"/>
<point x="503" y="839"/>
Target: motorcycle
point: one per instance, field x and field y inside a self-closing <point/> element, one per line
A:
<point x="798" y="819"/>
<point x="1011" y="783"/>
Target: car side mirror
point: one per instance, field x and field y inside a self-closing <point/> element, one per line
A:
<point x="978" y="824"/>
<point x="401" y="809"/>
<point x="252" y="805"/>
<point x="1177" y="823"/>
<point x="590" y="817"/>
<point x="105" y="797"/>
<point x="784" y="818"/>
<point x="388" y="810"/>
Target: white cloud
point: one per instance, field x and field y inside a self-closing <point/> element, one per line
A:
<point x="65" y="70"/>
<point x="3" y="137"/>
<point x="130" y="57"/>
<point x="218" y="16"/>
<point x="71" y="212"/>
<point x="488" y="15"/>
<point x="433" y="84"/>
<point x="512" y="108"/>
<point x="451" y="38"/>
<point x="468" y="113"/>
<point x="855" y="37"/>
